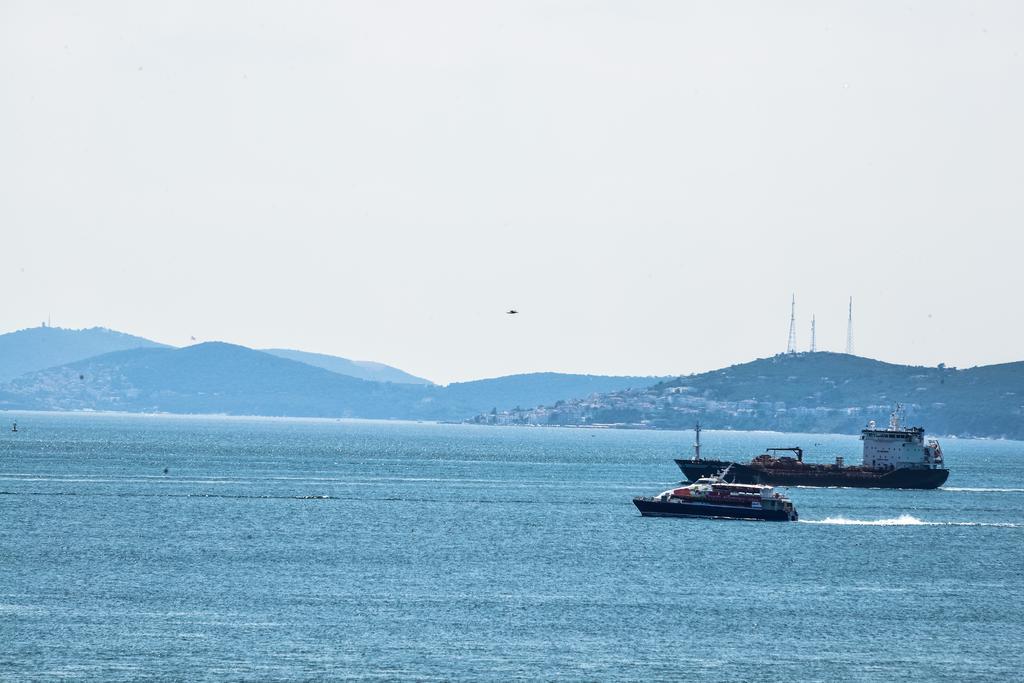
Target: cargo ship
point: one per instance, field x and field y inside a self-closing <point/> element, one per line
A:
<point x="894" y="457"/>
<point x="713" y="496"/>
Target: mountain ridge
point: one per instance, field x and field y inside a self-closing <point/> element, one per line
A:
<point x="36" y="348"/>
<point x="362" y="369"/>
<point x="217" y="377"/>
<point x="811" y="392"/>
<point x="808" y="392"/>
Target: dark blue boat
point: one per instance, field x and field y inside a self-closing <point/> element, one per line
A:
<point x="715" y="497"/>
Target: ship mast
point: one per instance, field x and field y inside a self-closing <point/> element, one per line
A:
<point x="896" y="417"/>
<point x="696" y="446"/>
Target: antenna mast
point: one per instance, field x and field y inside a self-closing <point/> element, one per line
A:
<point x="849" y="330"/>
<point x="791" y="345"/>
<point x="814" y="345"/>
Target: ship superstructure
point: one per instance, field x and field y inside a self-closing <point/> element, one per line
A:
<point x="896" y="447"/>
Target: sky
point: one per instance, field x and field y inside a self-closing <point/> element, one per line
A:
<point x="647" y="183"/>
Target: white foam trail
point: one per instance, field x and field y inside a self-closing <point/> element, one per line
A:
<point x="902" y="520"/>
<point x="980" y="490"/>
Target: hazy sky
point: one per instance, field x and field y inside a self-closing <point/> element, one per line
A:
<point x="646" y="182"/>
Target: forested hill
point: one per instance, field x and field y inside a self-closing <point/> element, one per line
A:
<point x="815" y="392"/>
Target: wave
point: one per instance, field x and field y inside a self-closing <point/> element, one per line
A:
<point x="343" y="499"/>
<point x="129" y="494"/>
<point x="970" y="489"/>
<point x="902" y="520"/>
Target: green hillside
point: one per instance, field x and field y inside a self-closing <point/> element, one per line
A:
<point x="825" y="392"/>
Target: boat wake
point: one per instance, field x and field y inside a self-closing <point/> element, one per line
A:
<point x="902" y="520"/>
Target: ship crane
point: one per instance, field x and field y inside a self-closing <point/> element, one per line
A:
<point x="794" y="449"/>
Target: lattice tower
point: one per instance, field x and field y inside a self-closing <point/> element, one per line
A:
<point x="791" y="345"/>
<point x="849" y="329"/>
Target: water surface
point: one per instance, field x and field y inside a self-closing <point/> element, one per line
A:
<point x="297" y="549"/>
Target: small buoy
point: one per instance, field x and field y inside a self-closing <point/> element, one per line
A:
<point x="165" y="470"/>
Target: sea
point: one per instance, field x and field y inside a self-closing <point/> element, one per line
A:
<point x="156" y="547"/>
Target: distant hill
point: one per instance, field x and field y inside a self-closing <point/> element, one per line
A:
<point x="224" y="378"/>
<point x="212" y="377"/>
<point x="812" y="392"/>
<point x="363" y="369"/>
<point x="533" y="389"/>
<point x="808" y="392"/>
<point x="839" y="392"/>
<point x="37" y="348"/>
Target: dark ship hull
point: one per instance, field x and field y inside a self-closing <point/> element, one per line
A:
<point x="650" y="507"/>
<point x="817" y="475"/>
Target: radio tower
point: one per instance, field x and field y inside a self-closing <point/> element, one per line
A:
<point x="814" y="345"/>
<point x="791" y="346"/>
<point x="849" y="330"/>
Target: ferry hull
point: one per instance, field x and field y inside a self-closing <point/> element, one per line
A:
<point x="827" y="475"/>
<point x="650" y="507"/>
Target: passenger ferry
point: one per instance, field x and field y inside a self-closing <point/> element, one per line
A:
<point x="715" y="497"/>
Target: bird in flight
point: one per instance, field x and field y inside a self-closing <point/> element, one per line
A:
<point x="511" y="311"/>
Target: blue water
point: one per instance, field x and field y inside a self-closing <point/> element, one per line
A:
<point x="310" y="549"/>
